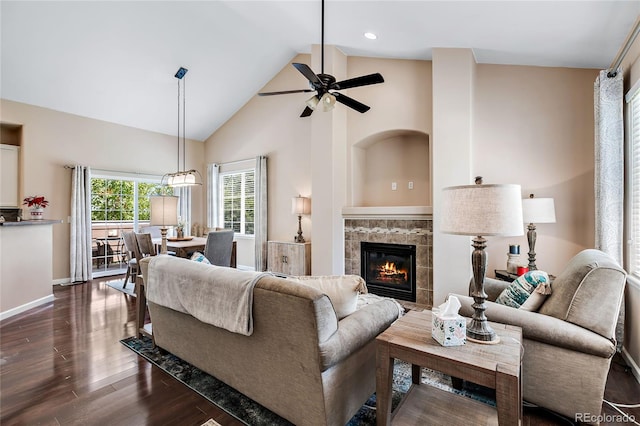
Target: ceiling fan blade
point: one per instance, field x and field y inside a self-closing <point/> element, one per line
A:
<point x="364" y="80"/>
<point x="351" y="103"/>
<point x="308" y="72"/>
<point x="307" y="112"/>
<point x="285" y="92"/>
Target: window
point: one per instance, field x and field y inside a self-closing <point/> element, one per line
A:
<point x="633" y="182"/>
<point x="118" y="204"/>
<point x="237" y="201"/>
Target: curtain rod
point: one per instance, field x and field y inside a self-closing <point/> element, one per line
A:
<point x="613" y="69"/>
<point x="68" y="166"/>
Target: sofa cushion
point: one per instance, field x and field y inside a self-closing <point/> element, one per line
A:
<point x="342" y="290"/>
<point x="520" y="289"/>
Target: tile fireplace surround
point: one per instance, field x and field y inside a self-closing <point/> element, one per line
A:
<point x="394" y="231"/>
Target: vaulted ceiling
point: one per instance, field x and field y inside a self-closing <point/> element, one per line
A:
<point x="115" y="61"/>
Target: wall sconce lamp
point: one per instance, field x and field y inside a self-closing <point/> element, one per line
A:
<point x="481" y="210"/>
<point x="300" y="205"/>
<point x="164" y="213"/>
<point x="536" y="210"/>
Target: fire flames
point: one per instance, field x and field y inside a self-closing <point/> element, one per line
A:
<point x="390" y="271"/>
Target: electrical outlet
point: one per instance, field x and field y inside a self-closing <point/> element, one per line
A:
<point x="394" y="186"/>
<point x="410" y="185"/>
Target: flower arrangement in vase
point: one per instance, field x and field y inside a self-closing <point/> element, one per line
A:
<point x="36" y="205"/>
<point x="180" y="228"/>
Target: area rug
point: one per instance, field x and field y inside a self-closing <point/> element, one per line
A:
<point x="130" y="289"/>
<point x="252" y="413"/>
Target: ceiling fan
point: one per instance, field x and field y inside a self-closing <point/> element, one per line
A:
<point x="325" y="86"/>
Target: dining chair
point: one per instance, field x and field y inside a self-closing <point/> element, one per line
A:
<point x="219" y="246"/>
<point x="133" y="256"/>
<point x="145" y="244"/>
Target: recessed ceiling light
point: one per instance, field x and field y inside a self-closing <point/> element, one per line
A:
<point x="370" y="36"/>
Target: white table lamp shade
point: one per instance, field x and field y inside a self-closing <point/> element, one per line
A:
<point x="300" y="205"/>
<point x="538" y="210"/>
<point x="482" y="210"/>
<point x="164" y="210"/>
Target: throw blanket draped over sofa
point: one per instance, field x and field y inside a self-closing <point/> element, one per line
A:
<point x="216" y="295"/>
<point x="300" y="361"/>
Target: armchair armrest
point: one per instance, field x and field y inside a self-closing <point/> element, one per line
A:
<point x="545" y="329"/>
<point x="356" y="330"/>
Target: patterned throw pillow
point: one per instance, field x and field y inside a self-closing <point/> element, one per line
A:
<point x="199" y="257"/>
<point x="519" y="290"/>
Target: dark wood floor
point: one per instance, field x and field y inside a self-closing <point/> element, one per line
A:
<point x="62" y="364"/>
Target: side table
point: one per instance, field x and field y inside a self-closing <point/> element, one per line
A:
<point x="504" y="275"/>
<point x="495" y="366"/>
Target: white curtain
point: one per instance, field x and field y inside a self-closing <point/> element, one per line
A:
<point x="184" y="207"/>
<point x="260" y="212"/>
<point x="80" y="247"/>
<point x="609" y="170"/>
<point x="213" y="187"/>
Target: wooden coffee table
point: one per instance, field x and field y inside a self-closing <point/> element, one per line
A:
<point x="494" y="366"/>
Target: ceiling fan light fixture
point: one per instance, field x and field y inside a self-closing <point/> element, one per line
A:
<point x="328" y="102"/>
<point x="312" y="102"/>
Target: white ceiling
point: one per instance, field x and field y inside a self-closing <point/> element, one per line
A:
<point x="116" y="61"/>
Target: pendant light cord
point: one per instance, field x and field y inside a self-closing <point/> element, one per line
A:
<point x="178" y="168"/>
<point x="184" y="126"/>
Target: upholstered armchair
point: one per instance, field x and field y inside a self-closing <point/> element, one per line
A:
<point x="569" y="342"/>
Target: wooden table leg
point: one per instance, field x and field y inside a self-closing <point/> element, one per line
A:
<point x="508" y="396"/>
<point x="384" y="380"/>
<point x="416" y="373"/>
<point x="141" y="305"/>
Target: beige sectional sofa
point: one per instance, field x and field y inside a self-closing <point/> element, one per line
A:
<point x="300" y="361"/>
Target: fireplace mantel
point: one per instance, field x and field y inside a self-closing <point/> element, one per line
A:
<point x="388" y="212"/>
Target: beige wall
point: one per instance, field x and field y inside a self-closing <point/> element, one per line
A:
<point x="52" y="139"/>
<point x="453" y="77"/>
<point x="400" y="160"/>
<point x="533" y="126"/>
<point x="272" y="126"/>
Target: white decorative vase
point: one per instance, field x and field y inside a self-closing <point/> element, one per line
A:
<point x="36" y="213"/>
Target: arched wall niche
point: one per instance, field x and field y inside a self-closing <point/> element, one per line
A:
<point x="397" y="156"/>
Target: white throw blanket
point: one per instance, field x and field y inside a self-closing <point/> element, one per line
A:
<point x="219" y="296"/>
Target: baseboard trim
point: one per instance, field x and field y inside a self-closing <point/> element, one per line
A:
<point x="20" y="309"/>
<point x="61" y="281"/>
<point x="635" y="370"/>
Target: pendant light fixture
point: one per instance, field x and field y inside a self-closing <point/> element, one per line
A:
<point x="182" y="177"/>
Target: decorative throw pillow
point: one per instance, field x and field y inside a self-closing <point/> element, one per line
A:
<point x="199" y="257"/>
<point x="533" y="302"/>
<point x="519" y="290"/>
<point x="342" y="290"/>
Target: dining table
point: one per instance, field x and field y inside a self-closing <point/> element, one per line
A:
<point x="185" y="247"/>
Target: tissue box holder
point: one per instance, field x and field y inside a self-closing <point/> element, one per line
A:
<point x="449" y="331"/>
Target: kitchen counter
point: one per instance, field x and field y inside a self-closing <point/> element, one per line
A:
<point x="31" y="222"/>
<point x="26" y="265"/>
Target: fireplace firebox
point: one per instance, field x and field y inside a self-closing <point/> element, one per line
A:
<point x="389" y="269"/>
